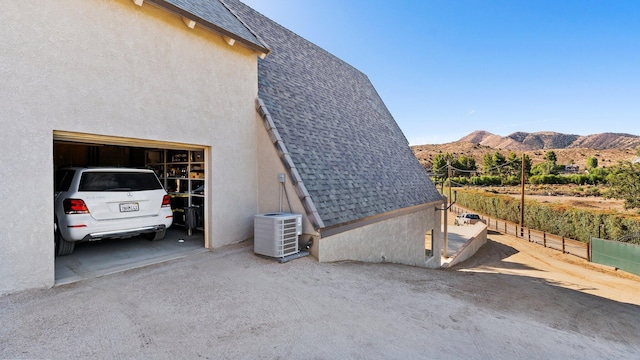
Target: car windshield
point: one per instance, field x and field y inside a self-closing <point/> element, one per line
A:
<point x="473" y="216"/>
<point x="119" y="181"/>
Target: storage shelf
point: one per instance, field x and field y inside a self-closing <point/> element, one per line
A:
<point x="181" y="172"/>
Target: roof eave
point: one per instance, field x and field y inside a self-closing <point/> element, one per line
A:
<point x="262" y="50"/>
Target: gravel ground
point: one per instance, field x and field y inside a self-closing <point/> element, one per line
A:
<point x="231" y="304"/>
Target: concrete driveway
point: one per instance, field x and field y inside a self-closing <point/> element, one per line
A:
<point x="231" y="304"/>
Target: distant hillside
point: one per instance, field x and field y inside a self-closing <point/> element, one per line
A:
<point x="552" y="140"/>
<point x="608" y="148"/>
<point x="485" y="138"/>
<point x="607" y="141"/>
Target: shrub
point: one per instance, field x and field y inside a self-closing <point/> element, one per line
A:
<point x="485" y="180"/>
<point x="578" y="179"/>
<point x="579" y="224"/>
<point x="511" y="180"/>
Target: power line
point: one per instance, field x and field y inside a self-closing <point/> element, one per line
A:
<point x="472" y="171"/>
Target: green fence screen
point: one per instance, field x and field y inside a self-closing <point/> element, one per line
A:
<point x="617" y="254"/>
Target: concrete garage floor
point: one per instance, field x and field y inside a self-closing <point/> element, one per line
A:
<point x="93" y="259"/>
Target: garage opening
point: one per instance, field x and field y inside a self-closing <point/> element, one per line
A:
<point x="182" y="171"/>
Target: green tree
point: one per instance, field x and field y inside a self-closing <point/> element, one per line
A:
<point x="545" y="168"/>
<point x="487" y="164"/>
<point x="527" y="165"/>
<point x="551" y="157"/>
<point x="624" y="183"/>
<point x="439" y="169"/>
<point x="467" y="164"/>
<point x="538" y="169"/>
<point x="498" y="161"/>
<point x="592" y="163"/>
<point x="514" y="165"/>
<point x="548" y="167"/>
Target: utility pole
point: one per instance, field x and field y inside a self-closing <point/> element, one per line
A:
<point x="445" y="245"/>
<point x="522" y="198"/>
<point x="449" y="176"/>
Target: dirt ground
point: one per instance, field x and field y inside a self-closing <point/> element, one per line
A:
<point x="513" y="300"/>
<point x="583" y="202"/>
<point x="505" y="254"/>
<point x="509" y="255"/>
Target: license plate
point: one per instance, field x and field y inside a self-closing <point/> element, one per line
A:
<point x="128" y="207"/>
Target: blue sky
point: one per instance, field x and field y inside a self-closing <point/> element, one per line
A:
<point x="445" y="68"/>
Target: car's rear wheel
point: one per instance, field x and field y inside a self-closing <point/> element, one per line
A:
<point x="155" y="236"/>
<point x="62" y="247"/>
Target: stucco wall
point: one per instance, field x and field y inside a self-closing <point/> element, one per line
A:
<point x="113" y="68"/>
<point x="269" y="188"/>
<point x="472" y="246"/>
<point x="397" y="240"/>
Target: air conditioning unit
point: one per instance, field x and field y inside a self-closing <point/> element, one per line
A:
<point x="276" y="234"/>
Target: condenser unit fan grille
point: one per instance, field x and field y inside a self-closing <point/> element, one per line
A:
<point x="276" y="235"/>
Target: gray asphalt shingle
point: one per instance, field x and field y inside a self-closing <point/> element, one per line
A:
<point x="214" y="13"/>
<point x="351" y="155"/>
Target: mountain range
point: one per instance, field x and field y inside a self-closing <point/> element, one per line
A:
<point x="548" y="140"/>
<point x="607" y="148"/>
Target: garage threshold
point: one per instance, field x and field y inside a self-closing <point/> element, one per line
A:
<point x="95" y="259"/>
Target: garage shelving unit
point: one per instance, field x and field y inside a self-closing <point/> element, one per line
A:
<point x="182" y="173"/>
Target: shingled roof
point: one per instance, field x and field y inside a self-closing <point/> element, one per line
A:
<point x="215" y="16"/>
<point x="352" y="157"/>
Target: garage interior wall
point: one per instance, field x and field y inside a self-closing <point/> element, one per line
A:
<point x="112" y="68"/>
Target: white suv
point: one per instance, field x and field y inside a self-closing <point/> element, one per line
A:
<point x="467" y="219"/>
<point x="98" y="203"/>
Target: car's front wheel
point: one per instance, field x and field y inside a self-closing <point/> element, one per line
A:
<point x="62" y="247"/>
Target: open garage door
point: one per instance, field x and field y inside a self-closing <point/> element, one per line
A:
<point x="182" y="170"/>
<point x="93" y="139"/>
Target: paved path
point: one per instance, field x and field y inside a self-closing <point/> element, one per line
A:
<point x="459" y="235"/>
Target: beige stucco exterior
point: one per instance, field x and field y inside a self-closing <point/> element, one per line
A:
<point x="114" y="68"/>
<point x="272" y="196"/>
<point x="398" y="239"/>
<point x="122" y="71"/>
